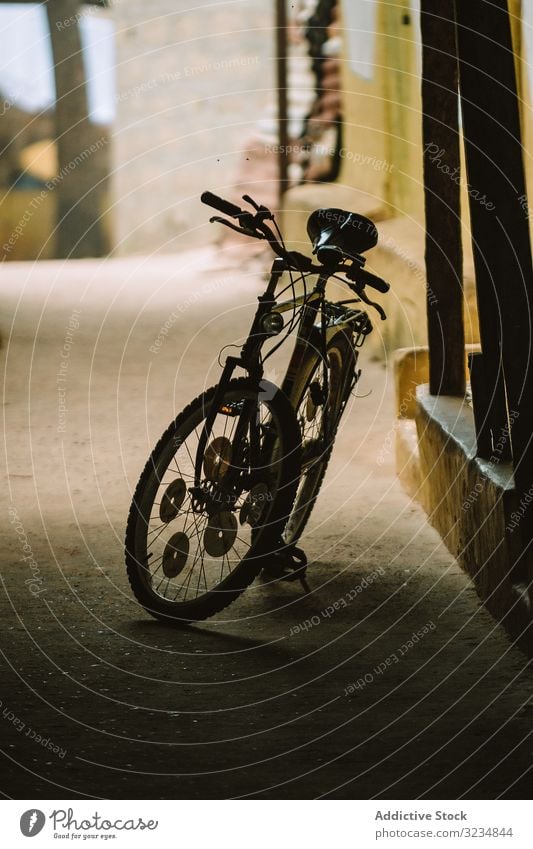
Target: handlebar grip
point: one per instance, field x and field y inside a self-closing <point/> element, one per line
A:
<point x="368" y="279"/>
<point x="222" y="205"/>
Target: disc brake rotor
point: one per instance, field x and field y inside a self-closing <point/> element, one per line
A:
<point x="175" y="554"/>
<point x="220" y="533"/>
<point x="255" y="504"/>
<point x="217" y="458"/>
<point x="173" y="498"/>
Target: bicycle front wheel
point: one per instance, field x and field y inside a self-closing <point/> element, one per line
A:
<point x="192" y="546"/>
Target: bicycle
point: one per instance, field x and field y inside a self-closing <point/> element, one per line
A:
<point x="230" y="486"/>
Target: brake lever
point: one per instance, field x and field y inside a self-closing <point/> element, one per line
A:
<point x="246" y="230"/>
<point x="379" y="309"/>
<point x="251" y="201"/>
<point x="264" y="211"/>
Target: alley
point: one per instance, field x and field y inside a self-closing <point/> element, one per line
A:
<point x="388" y="680"/>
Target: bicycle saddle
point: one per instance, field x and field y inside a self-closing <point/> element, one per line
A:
<point x="336" y="233"/>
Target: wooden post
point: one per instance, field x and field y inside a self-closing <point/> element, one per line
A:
<point x="500" y="227"/>
<point x="444" y="255"/>
<point x="281" y="79"/>
<point x="81" y="146"/>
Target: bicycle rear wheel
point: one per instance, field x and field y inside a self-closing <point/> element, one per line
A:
<point x="193" y="546"/>
<point x="318" y="413"/>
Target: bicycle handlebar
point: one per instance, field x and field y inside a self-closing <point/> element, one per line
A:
<point x="255" y="225"/>
<point x="220" y="204"/>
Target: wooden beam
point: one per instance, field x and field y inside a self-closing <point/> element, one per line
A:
<point x="444" y="255"/>
<point x="500" y="227"/>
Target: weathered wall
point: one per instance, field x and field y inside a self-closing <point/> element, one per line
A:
<point x="192" y="81"/>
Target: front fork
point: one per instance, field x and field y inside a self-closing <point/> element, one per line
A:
<point x="318" y="342"/>
<point x="305" y="341"/>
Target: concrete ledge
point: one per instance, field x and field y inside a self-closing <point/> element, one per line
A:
<point x="411" y="368"/>
<point x="469" y="501"/>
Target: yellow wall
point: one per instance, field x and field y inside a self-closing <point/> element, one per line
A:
<point x="382" y="116"/>
<point x="363" y="120"/>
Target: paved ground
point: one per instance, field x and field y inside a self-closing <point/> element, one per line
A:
<point x="100" y="701"/>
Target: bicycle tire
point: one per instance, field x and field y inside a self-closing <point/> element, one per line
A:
<point x="263" y="539"/>
<point x="339" y="347"/>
